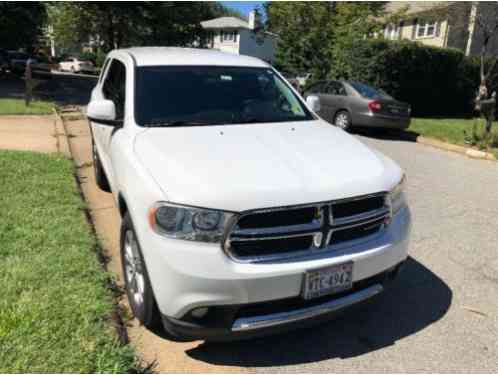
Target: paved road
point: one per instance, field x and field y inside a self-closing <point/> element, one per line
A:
<point x="441" y="316"/>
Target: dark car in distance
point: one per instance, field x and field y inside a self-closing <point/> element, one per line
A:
<point x="349" y="104"/>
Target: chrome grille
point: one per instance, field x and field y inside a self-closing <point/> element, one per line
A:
<point x="280" y="233"/>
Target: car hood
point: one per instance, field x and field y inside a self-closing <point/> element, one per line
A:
<point x="241" y="167"/>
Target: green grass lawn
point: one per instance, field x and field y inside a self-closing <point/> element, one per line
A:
<point x="17" y="107"/>
<point x="54" y="303"/>
<point x="448" y="130"/>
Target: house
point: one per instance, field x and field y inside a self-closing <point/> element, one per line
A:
<point x="440" y="24"/>
<point x="234" y="35"/>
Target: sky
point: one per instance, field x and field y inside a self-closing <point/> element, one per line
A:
<point x="243" y="6"/>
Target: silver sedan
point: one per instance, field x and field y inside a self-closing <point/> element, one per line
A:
<point x="348" y="104"/>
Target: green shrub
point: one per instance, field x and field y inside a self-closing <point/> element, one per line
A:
<point x="435" y="81"/>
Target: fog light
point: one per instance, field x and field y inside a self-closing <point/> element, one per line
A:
<point x="199" y="312"/>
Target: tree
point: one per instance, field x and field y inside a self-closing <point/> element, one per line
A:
<point x="304" y="32"/>
<point x="485" y="19"/>
<point x="311" y="33"/>
<point x="124" y="24"/>
<point x="20" y="24"/>
<point x="475" y="25"/>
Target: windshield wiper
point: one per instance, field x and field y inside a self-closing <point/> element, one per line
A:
<point x="178" y="123"/>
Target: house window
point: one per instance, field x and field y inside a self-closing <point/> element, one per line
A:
<point x="228" y="35"/>
<point x="426" y="29"/>
<point x="391" y="32"/>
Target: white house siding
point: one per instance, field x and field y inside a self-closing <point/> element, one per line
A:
<point x="230" y="46"/>
<point x="262" y="47"/>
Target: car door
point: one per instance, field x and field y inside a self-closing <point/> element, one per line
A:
<point x="335" y="99"/>
<point x="112" y="87"/>
<point x="317" y="90"/>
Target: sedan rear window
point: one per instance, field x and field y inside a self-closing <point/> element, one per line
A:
<point x="213" y="95"/>
<point x="369" y="92"/>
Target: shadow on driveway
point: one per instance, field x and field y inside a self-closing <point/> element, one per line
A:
<point x="416" y="299"/>
<point x="388" y="135"/>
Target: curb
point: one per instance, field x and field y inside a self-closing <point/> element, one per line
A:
<point x="117" y="314"/>
<point x="467" y="151"/>
<point x="62" y="138"/>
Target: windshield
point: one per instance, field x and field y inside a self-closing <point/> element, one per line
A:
<point x="213" y="95"/>
<point x="369" y="92"/>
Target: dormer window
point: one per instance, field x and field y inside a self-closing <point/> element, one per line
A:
<point x="229" y="36"/>
<point x="426" y="29"/>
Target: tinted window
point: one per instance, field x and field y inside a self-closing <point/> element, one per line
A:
<point x="208" y="95"/>
<point x="368" y="91"/>
<point x="335" y="88"/>
<point x="115" y="86"/>
<point x="317" y="87"/>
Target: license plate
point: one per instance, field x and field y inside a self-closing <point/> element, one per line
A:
<point x="328" y="280"/>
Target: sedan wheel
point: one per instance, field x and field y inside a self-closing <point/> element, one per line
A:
<point x="342" y="120"/>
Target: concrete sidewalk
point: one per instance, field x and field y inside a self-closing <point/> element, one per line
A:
<point x="166" y="356"/>
<point x="32" y="133"/>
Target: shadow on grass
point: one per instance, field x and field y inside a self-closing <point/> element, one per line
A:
<point x="417" y="299"/>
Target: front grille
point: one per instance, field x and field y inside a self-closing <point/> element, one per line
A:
<point x="268" y="219"/>
<point x="287" y="232"/>
<point x="272" y="246"/>
<point x="354" y="233"/>
<point x="356" y="207"/>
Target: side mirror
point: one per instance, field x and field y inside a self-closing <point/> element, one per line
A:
<point x="102" y="112"/>
<point x="313" y="102"/>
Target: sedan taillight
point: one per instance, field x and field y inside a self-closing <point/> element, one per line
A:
<point x="374" y="106"/>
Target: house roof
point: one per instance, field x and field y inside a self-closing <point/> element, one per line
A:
<point x="225" y="22"/>
<point x="414" y="7"/>
<point x="150" y="56"/>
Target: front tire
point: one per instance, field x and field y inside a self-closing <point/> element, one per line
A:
<point x="137" y="283"/>
<point x="343" y="120"/>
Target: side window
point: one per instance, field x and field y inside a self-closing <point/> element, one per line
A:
<point x="341" y="90"/>
<point x="115" y="86"/>
<point x="317" y="88"/>
<point x="336" y="88"/>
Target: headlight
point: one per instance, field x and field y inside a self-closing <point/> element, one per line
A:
<point x="396" y="197"/>
<point x="188" y="223"/>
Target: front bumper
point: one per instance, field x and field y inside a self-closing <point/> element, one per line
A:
<point x="238" y="322"/>
<point x="188" y="275"/>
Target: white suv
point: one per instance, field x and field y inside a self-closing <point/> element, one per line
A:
<point x="243" y="211"/>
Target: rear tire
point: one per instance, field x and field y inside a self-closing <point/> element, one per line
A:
<point x="137" y="282"/>
<point x="342" y="120"/>
<point x="100" y="177"/>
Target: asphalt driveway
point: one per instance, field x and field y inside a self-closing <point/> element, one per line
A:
<point x="441" y="315"/>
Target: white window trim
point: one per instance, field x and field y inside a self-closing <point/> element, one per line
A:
<point x="426" y="30"/>
<point x="392" y="31"/>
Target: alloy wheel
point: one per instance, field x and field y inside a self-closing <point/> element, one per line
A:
<point x="134" y="271"/>
<point x="342" y="121"/>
